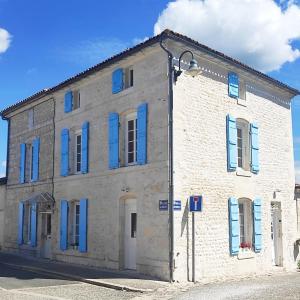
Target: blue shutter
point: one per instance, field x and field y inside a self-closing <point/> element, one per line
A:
<point x="231" y="143"/>
<point x="117" y="81"/>
<point x="142" y="115"/>
<point x="83" y="225"/>
<point x="234" y="227"/>
<point x="68" y="101"/>
<point x="85" y="148"/>
<point x="63" y="225"/>
<point x="64" y="163"/>
<point x="22" y="162"/>
<point x="21" y="223"/>
<point x="33" y="225"/>
<point x="35" y="160"/>
<point x="257" y="225"/>
<point x="233" y="85"/>
<point x="254" y="148"/>
<point x="113" y="140"/>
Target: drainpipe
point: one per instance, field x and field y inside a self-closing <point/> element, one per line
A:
<point x="171" y="168"/>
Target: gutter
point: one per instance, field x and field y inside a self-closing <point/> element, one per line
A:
<point x="171" y="162"/>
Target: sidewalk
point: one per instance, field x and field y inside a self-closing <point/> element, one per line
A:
<point x="120" y="280"/>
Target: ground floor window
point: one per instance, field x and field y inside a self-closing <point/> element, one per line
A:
<point x="246" y="223"/>
<point x="74" y="223"/>
<point x="27" y="224"/>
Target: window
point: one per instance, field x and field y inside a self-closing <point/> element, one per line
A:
<point x="131" y="139"/>
<point x="128" y="77"/>
<point x="246" y="223"/>
<point x="133" y="225"/>
<point x="77" y="153"/>
<point x="76" y="224"/>
<point x="76" y="99"/>
<point x="31" y="162"/>
<point x="243" y="144"/>
<point x="27" y="224"/>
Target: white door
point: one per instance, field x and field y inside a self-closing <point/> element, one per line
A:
<point x="46" y="235"/>
<point x="130" y="231"/>
<point x="276" y="233"/>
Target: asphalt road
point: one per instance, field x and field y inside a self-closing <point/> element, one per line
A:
<point x="27" y="285"/>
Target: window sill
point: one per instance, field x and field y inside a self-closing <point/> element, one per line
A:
<point x="246" y="254"/>
<point x="243" y="173"/>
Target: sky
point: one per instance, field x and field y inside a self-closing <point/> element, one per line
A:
<point x="44" y="42"/>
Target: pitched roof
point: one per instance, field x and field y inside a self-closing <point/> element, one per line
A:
<point x="156" y="39"/>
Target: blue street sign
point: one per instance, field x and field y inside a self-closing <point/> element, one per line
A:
<point x="177" y="205"/>
<point x="196" y="203"/>
<point x="163" y="204"/>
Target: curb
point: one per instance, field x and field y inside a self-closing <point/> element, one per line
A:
<point x="106" y="284"/>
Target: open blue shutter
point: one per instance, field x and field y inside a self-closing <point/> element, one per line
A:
<point x="63" y="225"/>
<point x="142" y="115"/>
<point x="254" y="148"/>
<point x="231" y="143"/>
<point x="21" y="223"/>
<point x="68" y="101"/>
<point x="234" y="227"/>
<point x="64" y="163"/>
<point x="233" y="85"/>
<point x="33" y="219"/>
<point x="83" y="225"/>
<point x="257" y="225"/>
<point x="35" y="160"/>
<point x="113" y="140"/>
<point x="85" y="148"/>
<point x="22" y="162"/>
<point x="117" y="81"/>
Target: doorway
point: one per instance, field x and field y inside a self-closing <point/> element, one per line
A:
<point x="130" y="234"/>
<point x="46" y="235"/>
<point x="276" y="233"/>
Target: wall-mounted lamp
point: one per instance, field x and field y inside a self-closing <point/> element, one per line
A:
<point x="193" y="69"/>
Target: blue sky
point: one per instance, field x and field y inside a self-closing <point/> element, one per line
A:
<point x="53" y="40"/>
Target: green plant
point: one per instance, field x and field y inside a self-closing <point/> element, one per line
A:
<point x="298" y="264"/>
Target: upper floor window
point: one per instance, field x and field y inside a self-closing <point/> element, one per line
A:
<point x="72" y="100"/>
<point x="243" y="144"/>
<point x="77" y="154"/>
<point x="131" y="139"/>
<point x="122" y="79"/>
<point x="76" y="99"/>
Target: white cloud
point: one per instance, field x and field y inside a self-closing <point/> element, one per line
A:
<point x="297" y="171"/>
<point x="5" y="40"/>
<point x="2" y="175"/>
<point x="257" y="32"/>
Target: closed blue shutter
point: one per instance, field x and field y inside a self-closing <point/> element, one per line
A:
<point x="142" y="115"/>
<point x="117" y="81"/>
<point x="113" y="140"/>
<point x="22" y="162"/>
<point x="231" y="143"/>
<point x="35" y="160"/>
<point x="234" y="227"/>
<point x="233" y="85"/>
<point x="83" y="225"/>
<point x="64" y="163"/>
<point x="63" y="225"/>
<point x="254" y="148"/>
<point x="33" y="220"/>
<point x="257" y="225"/>
<point x="21" y="223"/>
<point x="68" y="101"/>
<point x="85" y="148"/>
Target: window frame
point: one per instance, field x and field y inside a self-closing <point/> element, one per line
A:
<point x="129" y="118"/>
<point x="76" y="135"/>
<point x="76" y="234"/>
<point x="76" y="99"/>
<point x="246" y="228"/>
<point x="128" y="77"/>
<point x="243" y="126"/>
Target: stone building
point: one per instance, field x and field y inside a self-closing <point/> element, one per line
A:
<point x="95" y="163"/>
<point x="2" y="206"/>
